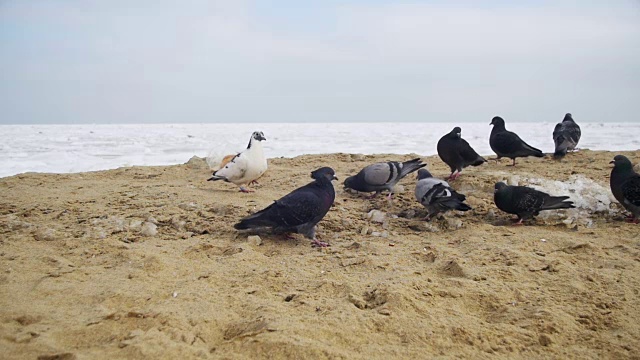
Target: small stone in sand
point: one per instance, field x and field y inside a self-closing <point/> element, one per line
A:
<point x="255" y="240"/>
<point x="376" y="216"/>
<point x="149" y="229"/>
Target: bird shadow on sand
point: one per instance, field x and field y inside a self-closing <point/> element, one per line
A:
<point x="223" y="191"/>
<point x="512" y="222"/>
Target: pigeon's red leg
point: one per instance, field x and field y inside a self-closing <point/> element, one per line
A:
<point x="451" y="176"/>
<point x="318" y="243"/>
<point x="245" y="190"/>
<point x="514" y="162"/>
<point x="253" y="182"/>
<point x="632" y="219"/>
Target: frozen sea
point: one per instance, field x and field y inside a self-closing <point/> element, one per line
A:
<point x="77" y="148"/>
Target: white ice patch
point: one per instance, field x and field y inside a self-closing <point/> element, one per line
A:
<point x="74" y="148"/>
<point x="588" y="196"/>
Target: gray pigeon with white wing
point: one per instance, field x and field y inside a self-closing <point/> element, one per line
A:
<point x="382" y="176"/>
<point x="566" y="135"/>
<point x="437" y="196"/>
<point x="625" y="186"/>
<point x="247" y="166"/>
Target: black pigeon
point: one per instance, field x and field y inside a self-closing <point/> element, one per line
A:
<point x="382" y="176"/>
<point x="566" y="135"/>
<point x="507" y="144"/>
<point x="625" y="186"/>
<point x="526" y="202"/>
<point x="437" y="196"/>
<point x="298" y="211"/>
<point x="457" y="153"/>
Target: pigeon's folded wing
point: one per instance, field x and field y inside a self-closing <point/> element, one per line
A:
<point x="297" y="208"/>
<point x="234" y="169"/>
<point x="631" y="190"/>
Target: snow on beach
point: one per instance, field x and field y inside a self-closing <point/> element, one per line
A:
<point x="77" y="148"/>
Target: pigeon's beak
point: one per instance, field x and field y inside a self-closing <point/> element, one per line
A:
<point x="612" y="162"/>
<point x="334" y="178"/>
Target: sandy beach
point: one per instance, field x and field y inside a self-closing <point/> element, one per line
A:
<point x="144" y="262"/>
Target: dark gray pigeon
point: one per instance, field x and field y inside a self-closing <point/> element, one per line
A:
<point x="507" y="144"/>
<point x="298" y="211"/>
<point x="457" y="153"/>
<point x="566" y="135"/>
<point x="526" y="202"/>
<point x="382" y="176"/>
<point x="437" y="196"/>
<point x="625" y="186"/>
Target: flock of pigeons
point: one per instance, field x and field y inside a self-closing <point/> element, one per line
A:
<point x="300" y="210"/>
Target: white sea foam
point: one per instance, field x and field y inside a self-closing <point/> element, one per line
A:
<point x="75" y="148"/>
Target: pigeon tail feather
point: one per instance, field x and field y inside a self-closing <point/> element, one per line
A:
<point x="479" y="161"/>
<point x="557" y="202"/>
<point x="259" y="219"/>
<point x="410" y="166"/>
<point x="463" y="207"/>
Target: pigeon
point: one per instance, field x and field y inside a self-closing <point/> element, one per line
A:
<point x="382" y="176"/>
<point x="298" y="211"/>
<point x="566" y="135"/>
<point x="437" y="196"/>
<point x="507" y="144"/>
<point x="245" y="167"/>
<point x="526" y="202"/>
<point x="625" y="186"/>
<point x="457" y="153"/>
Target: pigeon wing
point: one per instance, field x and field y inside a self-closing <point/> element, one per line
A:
<point x="631" y="190"/>
<point x="557" y="133"/>
<point x="528" y="200"/>
<point x="235" y="169"/>
<point x="507" y="142"/>
<point x="380" y="173"/>
<point x="469" y="155"/>
<point x="574" y="133"/>
<point x="297" y="208"/>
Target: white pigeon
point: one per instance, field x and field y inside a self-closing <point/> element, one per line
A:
<point x="246" y="167"/>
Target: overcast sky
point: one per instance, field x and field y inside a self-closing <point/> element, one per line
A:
<point x="296" y="61"/>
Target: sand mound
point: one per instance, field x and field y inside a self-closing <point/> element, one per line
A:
<point x="143" y="262"/>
